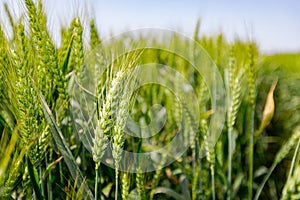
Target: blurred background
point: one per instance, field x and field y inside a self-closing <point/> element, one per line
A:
<point x="273" y="24"/>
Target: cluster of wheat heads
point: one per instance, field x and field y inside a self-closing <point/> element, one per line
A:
<point x="47" y="151"/>
<point x="31" y="64"/>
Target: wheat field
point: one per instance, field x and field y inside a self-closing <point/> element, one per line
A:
<point x="78" y="118"/>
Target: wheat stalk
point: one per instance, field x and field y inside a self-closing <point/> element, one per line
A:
<point x="233" y="102"/>
<point x="121" y="116"/>
<point x="250" y="115"/>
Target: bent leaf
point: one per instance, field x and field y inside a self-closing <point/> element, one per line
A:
<point x="63" y="148"/>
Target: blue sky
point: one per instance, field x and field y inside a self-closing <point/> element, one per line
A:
<point x="274" y="24"/>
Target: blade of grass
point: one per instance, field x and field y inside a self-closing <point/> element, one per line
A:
<point x="168" y="191"/>
<point x="62" y="146"/>
<point x="7" y="115"/>
<point x="34" y="180"/>
<point x="8" y="152"/>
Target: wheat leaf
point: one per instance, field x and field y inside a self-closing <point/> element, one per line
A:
<point x="63" y="148"/>
<point x="34" y="179"/>
<point x="168" y="191"/>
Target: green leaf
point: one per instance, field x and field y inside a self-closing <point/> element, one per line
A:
<point x="168" y="191"/>
<point x="7" y="115"/>
<point x="237" y="184"/>
<point x="63" y="148"/>
<point x="184" y="185"/>
<point x="67" y="56"/>
<point x="34" y="177"/>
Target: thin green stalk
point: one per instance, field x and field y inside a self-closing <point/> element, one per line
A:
<point x="49" y="178"/>
<point x="200" y="179"/>
<point x="61" y="173"/>
<point x="229" y="176"/>
<point x="251" y="151"/>
<point x="250" y="129"/>
<point x="96" y="180"/>
<point x="117" y="183"/>
<point x="196" y="173"/>
<point x="212" y="171"/>
<point x="210" y="156"/>
<point x="41" y="180"/>
<point x="264" y="181"/>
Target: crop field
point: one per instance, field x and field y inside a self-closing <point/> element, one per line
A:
<point x="146" y="114"/>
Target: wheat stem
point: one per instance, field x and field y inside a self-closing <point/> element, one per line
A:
<point x="250" y="117"/>
<point x="96" y="180"/>
<point x="117" y="183"/>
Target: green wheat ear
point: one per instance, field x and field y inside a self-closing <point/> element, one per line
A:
<point x="78" y="46"/>
<point x="121" y="116"/>
<point x="13" y="173"/>
<point x="291" y="188"/>
<point x="140" y="184"/>
<point x="125" y="185"/>
<point x="233" y="86"/>
<point x="64" y="54"/>
<point x="250" y="114"/>
<point x="94" y="35"/>
<point x="282" y="153"/>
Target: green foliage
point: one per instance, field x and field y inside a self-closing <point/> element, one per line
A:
<point x="48" y="152"/>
